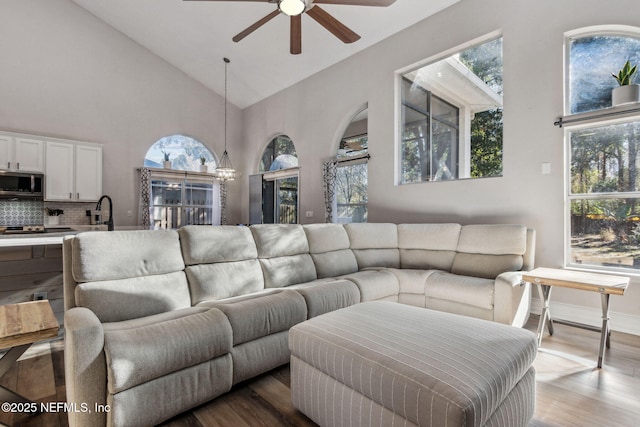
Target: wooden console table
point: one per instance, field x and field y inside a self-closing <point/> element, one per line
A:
<point x="20" y="326"/>
<point x="604" y="284"/>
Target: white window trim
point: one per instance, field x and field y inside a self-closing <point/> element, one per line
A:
<point x="464" y="126"/>
<point x="568" y="262"/>
<point x="591" y="119"/>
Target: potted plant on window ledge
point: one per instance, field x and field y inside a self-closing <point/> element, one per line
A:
<point x="166" y="163"/>
<point x="626" y="92"/>
<point x="202" y="166"/>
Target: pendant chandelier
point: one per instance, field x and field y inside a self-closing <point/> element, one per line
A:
<point x="225" y="171"/>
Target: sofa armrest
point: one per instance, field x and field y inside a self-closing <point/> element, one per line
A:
<point x="85" y="367"/>
<point x="511" y="299"/>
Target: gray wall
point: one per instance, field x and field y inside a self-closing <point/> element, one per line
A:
<point x="67" y="74"/>
<point x="315" y="113"/>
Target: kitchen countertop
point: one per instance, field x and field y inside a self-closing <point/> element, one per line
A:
<point x="51" y="237"/>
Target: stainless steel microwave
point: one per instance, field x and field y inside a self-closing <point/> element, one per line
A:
<point x="21" y="185"/>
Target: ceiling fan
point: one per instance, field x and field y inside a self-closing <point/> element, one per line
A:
<point x="295" y="9"/>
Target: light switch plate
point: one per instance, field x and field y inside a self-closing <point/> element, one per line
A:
<point x="546" y="168"/>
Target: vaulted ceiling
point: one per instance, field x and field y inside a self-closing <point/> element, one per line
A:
<point x="195" y="36"/>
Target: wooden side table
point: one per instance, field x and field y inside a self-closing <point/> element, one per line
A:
<point x="20" y="326"/>
<point x="604" y="284"/>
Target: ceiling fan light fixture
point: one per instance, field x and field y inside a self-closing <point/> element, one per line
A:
<point x="292" y="7"/>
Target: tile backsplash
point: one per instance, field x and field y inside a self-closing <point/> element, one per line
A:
<point x="21" y="212"/>
<point x="31" y="212"/>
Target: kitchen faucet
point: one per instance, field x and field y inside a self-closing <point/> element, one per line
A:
<point x="109" y="222"/>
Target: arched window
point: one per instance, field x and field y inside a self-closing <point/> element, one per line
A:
<point x="352" y="172"/>
<point x="603" y="146"/>
<point x="280" y="153"/>
<point x="274" y="191"/>
<point x="592" y="59"/>
<point x="183" y="152"/>
<point x="175" y="195"/>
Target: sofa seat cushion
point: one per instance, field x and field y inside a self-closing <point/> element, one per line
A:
<point x="375" y="284"/>
<point x="411" y="285"/>
<point x="473" y="291"/>
<point x="257" y="316"/>
<point x="238" y="298"/>
<point x="323" y="296"/>
<point x="143" y="350"/>
<point x="412" y="281"/>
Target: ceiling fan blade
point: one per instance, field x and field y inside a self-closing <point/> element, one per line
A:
<point x="255" y="26"/>
<point x="334" y="26"/>
<point x="262" y="1"/>
<point x="296" y="35"/>
<point x="381" y="3"/>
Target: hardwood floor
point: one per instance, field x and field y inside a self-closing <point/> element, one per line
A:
<point x="571" y="391"/>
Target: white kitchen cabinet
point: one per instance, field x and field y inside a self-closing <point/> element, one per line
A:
<point x="59" y="171"/>
<point x="19" y="153"/>
<point x="73" y="171"/>
<point x="88" y="167"/>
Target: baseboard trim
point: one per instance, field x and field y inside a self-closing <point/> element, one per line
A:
<point x="620" y="322"/>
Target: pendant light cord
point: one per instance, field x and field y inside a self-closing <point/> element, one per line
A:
<point x="226" y="62"/>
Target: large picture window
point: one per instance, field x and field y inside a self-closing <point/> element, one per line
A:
<point x="603" y="153"/>
<point x="451" y="117"/>
<point x="604" y="195"/>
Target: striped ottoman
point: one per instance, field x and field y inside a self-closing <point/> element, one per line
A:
<point x="388" y="364"/>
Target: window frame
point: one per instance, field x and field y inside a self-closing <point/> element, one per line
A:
<point x="463" y="160"/>
<point x="598" y="30"/>
<point x="603" y="117"/>
<point x="212" y="163"/>
<point x="349" y="162"/>
<point x="430" y="118"/>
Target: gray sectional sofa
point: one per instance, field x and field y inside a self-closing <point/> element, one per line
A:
<point x="158" y="322"/>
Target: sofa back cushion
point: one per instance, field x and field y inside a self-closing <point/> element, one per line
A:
<point x="221" y="262"/>
<point x="374" y="245"/>
<point x="428" y="246"/>
<point x="122" y="275"/>
<point x="329" y="249"/>
<point x="488" y="250"/>
<point x="203" y="244"/>
<point x="283" y="252"/>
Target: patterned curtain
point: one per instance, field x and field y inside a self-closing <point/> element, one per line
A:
<point x="145" y="196"/>
<point x="329" y="172"/>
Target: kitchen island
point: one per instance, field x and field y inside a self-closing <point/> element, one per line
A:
<point x="31" y="266"/>
<point x="53" y="236"/>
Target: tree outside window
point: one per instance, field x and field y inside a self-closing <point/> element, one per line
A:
<point x="603" y="192"/>
<point x="352" y="179"/>
<point x="452" y="117"/>
<point x="604" y="196"/>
